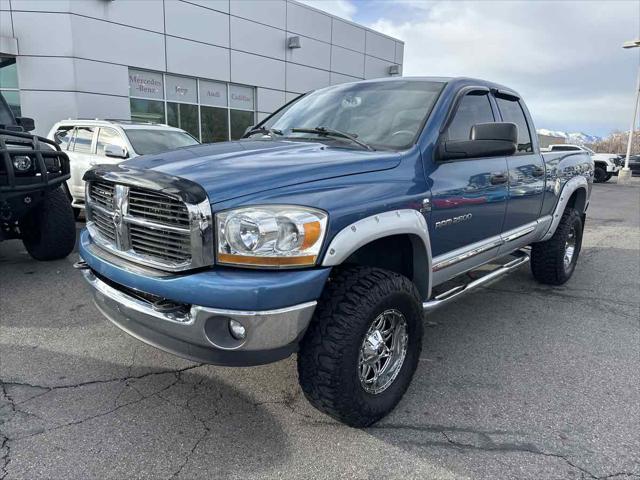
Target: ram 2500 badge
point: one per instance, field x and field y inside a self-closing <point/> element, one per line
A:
<point x="331" y="230"/>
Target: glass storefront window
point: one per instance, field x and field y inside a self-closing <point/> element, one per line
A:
<point x="184" y="116"/>
<point x="9" y="84"/>
<point x="209" y="110"/>
<point x="215" y="125"/>
<point x="240" y="120"/>
<point x="147" y="110"/>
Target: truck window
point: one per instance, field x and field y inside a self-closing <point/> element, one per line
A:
<point x="562" y="148"/>
<point x="84" y="137"/>
<point x="108" y="136"/>
<point x="471" y="110"/>
<point x="512" y="112"/>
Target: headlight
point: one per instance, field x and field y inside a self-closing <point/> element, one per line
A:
<point x="22" y="163"/>
<point x="277" y="236"/>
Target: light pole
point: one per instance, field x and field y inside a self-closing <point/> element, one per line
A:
<point x="624" y="175"/>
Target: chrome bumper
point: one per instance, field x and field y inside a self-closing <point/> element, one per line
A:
<point x="200" y="333"/>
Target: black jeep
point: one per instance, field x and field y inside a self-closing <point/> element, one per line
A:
<point x="33" y="205"/>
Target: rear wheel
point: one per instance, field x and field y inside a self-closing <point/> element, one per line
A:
<point x="600" y="175"/>
<point x="553" y="261"/>
<point x="49" y="231"/>
<point x="362" y="347"/>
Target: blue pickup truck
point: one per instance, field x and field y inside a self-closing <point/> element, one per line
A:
<point x="331" y="230"/>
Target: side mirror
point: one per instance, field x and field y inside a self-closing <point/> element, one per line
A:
<point x="26" y="123"/>
<point x="115" y="151"/>
<point x="487" y="140"/>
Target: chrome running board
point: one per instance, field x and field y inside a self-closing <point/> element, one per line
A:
<point x="522" y="257"/>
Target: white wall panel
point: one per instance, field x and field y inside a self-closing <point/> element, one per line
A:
<point x="35" y="40"/>
<point x="196" y="23"/>
<point x="399" y="53"/>
<point x="269" y="12"/>
<point x="220" y="5"/>
<point x="308" y="22"/>
<point x="46" y="108"/>
<point x="312" y="53"/>
<point x="39" y="5"/>
<point x="261" y="116"/>
<point x="270" y="100"/>
<point x="126" y="45"/>
<point x="381" y="46"/>
<point x="291" y="96"/>
<point x="376" y="68"/>
<point x="136" y="13"/>
<point x="98" y="77"/>
<point x="348" y="35"/>
<point x="102" y="106"/>
<point x="191" y="58"/>
<point x="259" y="71"/>
<point x="347" y="62"/>
<point x="339" y="78"/>
<point x="31" y="77"/>
<point x="302" y="79"/>
<point x="256" y="38"/>
<point x="6" y="29"/>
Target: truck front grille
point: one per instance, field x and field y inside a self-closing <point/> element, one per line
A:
<point x="148" y="227"/>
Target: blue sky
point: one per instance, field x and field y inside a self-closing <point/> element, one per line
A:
<point x="564" y="57"/>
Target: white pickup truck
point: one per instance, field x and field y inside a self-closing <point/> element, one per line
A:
<point x="606" y="164"/>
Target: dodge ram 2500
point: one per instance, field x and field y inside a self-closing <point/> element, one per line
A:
<point x="330" y="231"/>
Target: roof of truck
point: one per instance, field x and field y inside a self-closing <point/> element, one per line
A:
<point x="123" y="123"/>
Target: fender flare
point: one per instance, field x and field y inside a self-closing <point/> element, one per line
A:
<point x="385" y="224"/>
<point x="574" y="184"/>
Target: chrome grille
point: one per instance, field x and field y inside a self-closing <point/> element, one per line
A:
<point x="158" y="208"/>
<point x="149" y="227"/>
<point x="102" y="194"/>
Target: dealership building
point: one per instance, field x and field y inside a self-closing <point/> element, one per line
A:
<point x="211" y="67"/>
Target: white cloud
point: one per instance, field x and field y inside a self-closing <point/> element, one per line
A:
<point x="565" y="58"/>
<point x="341" y="8"/>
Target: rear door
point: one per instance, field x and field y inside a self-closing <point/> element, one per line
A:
<point x="526" y="168"/>
<point x="81" y="157"/>
<point x="469" y="195"/>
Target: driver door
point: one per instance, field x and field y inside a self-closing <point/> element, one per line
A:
<point x="469" y="196"/>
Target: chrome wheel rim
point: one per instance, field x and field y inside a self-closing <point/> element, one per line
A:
<point x="383" y="351"/>
<point x="569" y="248"/>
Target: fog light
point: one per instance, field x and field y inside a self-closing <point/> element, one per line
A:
<point x="237" y="330"/>
<point x="22" y="163"/>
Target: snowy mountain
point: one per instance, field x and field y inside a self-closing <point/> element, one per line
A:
<point x="579" y="138"/>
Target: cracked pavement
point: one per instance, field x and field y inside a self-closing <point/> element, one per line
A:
<point x="518" y="380"/>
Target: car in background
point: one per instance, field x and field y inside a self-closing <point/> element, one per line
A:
<point x="93" y="142"/>
<point x="634" y="163"/>
<point x="607" y="164"/>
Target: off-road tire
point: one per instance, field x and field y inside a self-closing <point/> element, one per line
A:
<point x="599" y="175"/>
<point x="608" y="177"/>
<point x="547" y="258"/>
<point x="328" y="357"/>
<point x="49" y="230"/>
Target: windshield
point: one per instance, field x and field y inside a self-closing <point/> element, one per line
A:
<point x="385" y="115"/>
<point x="145" y="142"/>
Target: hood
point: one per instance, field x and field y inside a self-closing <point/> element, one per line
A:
<point x="233" y="169"/>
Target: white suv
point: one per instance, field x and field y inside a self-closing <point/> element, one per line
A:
<point x="91" y="142"/>
<point x="606" y="164"/>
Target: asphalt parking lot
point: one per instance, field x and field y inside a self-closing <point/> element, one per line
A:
<point x="516" y="381"/>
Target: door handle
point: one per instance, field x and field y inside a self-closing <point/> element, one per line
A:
<point x="498" y="178"/>
<point x="538" y="171"/>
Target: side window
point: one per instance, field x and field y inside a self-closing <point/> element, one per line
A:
<point x="108" y="136"/>
<point x="84" y="137"/>
<point x="62" y="137"/>
<point x="471" y="110"/>
<point x="512" y="112"/>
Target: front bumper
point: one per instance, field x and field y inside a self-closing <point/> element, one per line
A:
<point x="202" y="334"/>
<point x="188" y="313"/>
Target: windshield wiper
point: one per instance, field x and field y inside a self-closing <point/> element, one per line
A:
<point x="330" y="132"/>
<point x="263" y="130"/>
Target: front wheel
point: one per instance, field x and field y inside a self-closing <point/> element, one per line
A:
<point x="599" y="175"/>
<point x="49" y="231"/>
<point x="553" y="261"/>
<point x="363" y="345"/>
